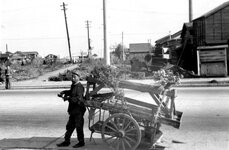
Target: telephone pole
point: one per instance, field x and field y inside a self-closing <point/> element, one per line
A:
<point x="190" y="10"/>
<point x="88" y="38"/>
<point x="106" y="52"/>
<point x="123" y="52"/>
<point x="66" y="24"/>
<point x="123" y="56"/>
<point x="6" y="48"/>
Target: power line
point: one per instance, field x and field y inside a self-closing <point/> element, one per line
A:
<point x="147" y="11"/>
<point x="156" y="33"/>
<point x="81" y="36"/>
<point x="35" y="38"/>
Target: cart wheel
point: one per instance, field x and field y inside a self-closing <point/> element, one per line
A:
<point x="121" y="132"/>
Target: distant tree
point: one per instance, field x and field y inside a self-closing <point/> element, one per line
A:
<point x="114" y="59"/>
<point x="118" y="51"/>
<point x="148" y="58"/>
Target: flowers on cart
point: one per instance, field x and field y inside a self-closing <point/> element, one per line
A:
<point x="108" y="75"/>
<point x="166" y="77"/>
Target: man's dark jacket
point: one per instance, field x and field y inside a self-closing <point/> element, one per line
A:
<point x="76" y="94"/>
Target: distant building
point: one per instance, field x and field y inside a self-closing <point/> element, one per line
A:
<point x="18" y="57"/>
<point x="5" y="57"/>
<point x="137" y="54"/>
<point x="139" y="50"/>
<point x="23" y="57"/>
<point x="31" y="54"/>
<point x="50" y="59"/>
<point x="168" y="43"/>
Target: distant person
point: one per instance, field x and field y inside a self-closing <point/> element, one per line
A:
<point x="7" y="76"/>
<point x="76" y="110"/>
<point x="1" y="79"/>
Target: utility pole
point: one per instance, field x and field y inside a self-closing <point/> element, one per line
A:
<point x="106" y="52"/>
<point x="123" y="56"/>
<point x="170" y="36"/>
<point x="123" y="52"/>
<point x="6" y="48"/>
<point x="69" y="47"/>
<point x="190" y="10"/>
<point x="88" y="39"/>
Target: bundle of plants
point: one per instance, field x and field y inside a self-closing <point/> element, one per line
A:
<point x="166" y="78"/>
<point x="108" y="75"/>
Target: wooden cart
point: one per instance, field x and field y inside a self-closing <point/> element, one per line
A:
<point x="123" y="122"/>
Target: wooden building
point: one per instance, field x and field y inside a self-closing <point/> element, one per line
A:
<point x="212" y="28"/>
<point x="212" y="60"/>
<point x="204" y="38"/>
<point x="211" y="39"/>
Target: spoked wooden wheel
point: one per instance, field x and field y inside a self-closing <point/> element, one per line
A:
<point x="121" y="132"/>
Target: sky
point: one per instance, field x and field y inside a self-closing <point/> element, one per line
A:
<point x="39" y="25"/>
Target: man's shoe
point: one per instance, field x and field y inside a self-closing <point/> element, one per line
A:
<point x="63" y="144"/>
<point x="79" y="145"/>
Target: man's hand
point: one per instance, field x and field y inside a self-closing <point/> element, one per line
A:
<point x="66" y="98"/>
<point x="63" y="96"/>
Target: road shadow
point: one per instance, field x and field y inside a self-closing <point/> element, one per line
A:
<point x="49" y="143"/>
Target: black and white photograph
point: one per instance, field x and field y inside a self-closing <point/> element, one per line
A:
<point x="114" y="75"/>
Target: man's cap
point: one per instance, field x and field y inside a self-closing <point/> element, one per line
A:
<point x="75" y="73"/>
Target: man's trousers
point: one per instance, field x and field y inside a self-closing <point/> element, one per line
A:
<point x="76" y="121"/>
